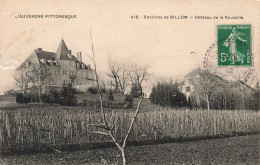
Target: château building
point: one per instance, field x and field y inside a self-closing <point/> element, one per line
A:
<point x="198" y="87"/>
<point x="63" y="67"/>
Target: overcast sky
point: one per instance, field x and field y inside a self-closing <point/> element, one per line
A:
<point x="164" y="44"/>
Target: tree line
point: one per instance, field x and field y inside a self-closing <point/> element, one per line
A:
<point x="35" y="78"/>
<point x="168" y="94"/>
<point x="65" y="96"/>
<point x="127" y="77"/>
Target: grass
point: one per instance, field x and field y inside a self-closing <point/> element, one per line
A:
<point x="58" y="127"/>
<point x="7" y="100"/>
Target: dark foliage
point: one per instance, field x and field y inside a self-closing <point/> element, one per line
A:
<point x="68" y="96"/>
<point x="106" y="104"/>
<point x="136" y="91"/>
<point x="116" y="104"/>
<point x="129" y="101"/>
<point x="103" y="90"/>
<point x="110" y="95"/>
<point x="168" y="94"/>
<point x="21" y="98"/>
<point x="55" y="97"/>
<point x="46" y="98"/>
<point x="93" y="90"/>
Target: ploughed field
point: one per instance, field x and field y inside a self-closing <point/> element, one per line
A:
<point x="234" y="150"/>
<point x="51" y="128"/>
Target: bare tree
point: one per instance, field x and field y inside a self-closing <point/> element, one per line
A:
<point x="114" y="68"/>
<point x="41" y="77"/>
<point x="138" y="74"/>
<point x="123" y="78"/>
<point x="118" y="72"/>
<point x="23" y="78"/>
<point x="204" y="87"/>
<point x="245" y="86"/>
<point x="106" y="125"/>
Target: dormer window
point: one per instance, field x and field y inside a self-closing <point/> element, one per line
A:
<point x="78" y="66"/>
<point x="50" y="62"/>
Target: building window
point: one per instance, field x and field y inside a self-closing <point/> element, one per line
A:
<point x="71" y="73"/>
<point x="187" y="89"/>
<point x="64" y="72"/>
<point x="64" y="82"/>
<point x="56" y="72"/>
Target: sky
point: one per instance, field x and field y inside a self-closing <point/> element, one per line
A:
<point x="163" y="44"/>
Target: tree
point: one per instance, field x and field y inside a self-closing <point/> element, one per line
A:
<point x="118" y="72"/>
<point x="137" y="75"/>
<point x="107" y="125"/>
<point x="178" y="99"/>
<point x="68" y="95"/>
<point x="23" y="79"/>
<point x="55" y="96"/>
<point x="129" y="101"/>
<point x="245" y="86"/>
<point x="153" y="97"/>
<point x="41" y="77"/>
<point x="20" y="98"/>
<point x="204" y="87"/>
<point x="110" y="95"/>
<point x="136" y="91"/>
<point x="168" y="94"/>
<point x="114" y="68"/>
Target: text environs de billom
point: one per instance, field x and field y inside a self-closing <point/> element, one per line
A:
<point x="191" y="17"/>
<point x="66" y="16"/>
<point x="163" y="17"/>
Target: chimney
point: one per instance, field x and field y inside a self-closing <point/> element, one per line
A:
<point x="39" y="50"/>
<point x="79" y="57"/>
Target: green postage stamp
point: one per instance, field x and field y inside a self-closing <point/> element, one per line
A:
<point x="234" y="45"/>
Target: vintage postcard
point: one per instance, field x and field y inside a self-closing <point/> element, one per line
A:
<point x="129" y="82"/>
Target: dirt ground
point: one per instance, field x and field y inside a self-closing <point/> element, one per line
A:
<point x="235" y="150"/>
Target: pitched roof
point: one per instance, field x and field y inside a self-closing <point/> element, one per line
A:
<point x="251" y="88"/>
<point x="32" y="59"/>
<point x="219" y="80"/>
<point x="46" y="55"/>
<point x="62" y="51"/>
<point x="195" y="72"/>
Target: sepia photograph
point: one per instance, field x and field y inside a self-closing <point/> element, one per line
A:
<point x="129" y="82"/>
